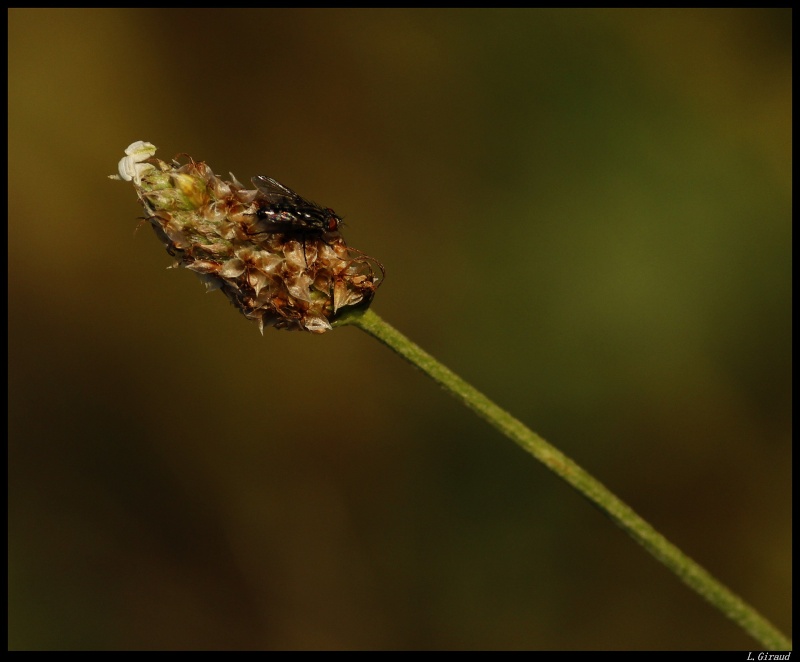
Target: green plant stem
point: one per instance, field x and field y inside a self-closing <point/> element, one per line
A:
<point x="687" y="570"/>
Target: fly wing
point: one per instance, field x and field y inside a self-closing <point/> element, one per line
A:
<point x="274" y="191"/>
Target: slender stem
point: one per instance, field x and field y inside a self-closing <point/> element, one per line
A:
<point x="687" y="570"/>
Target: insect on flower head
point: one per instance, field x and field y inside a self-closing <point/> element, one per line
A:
<point x="279" y="258"/>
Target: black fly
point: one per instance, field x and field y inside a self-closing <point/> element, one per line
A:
<point x="281" y="210"/>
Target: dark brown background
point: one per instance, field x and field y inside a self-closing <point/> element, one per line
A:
<point x="587" y="214"/>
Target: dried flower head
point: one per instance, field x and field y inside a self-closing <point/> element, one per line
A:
<point x="279" y="258"/>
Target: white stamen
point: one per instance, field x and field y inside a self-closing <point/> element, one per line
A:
<point x="131" y="166"/>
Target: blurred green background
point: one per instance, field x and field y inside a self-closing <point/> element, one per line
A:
<point x="586" y="214"/>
